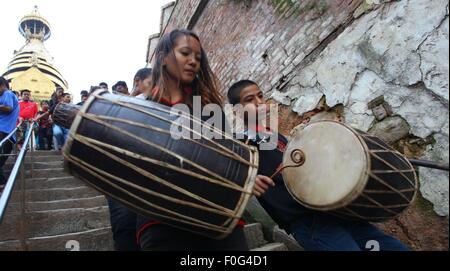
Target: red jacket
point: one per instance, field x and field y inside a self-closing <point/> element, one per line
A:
<point x="28" y="110"/>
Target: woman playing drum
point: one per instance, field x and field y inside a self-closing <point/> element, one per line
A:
<point x="181" y="71"/>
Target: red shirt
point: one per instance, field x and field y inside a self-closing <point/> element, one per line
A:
<point x="28" y="110"/>
<point x="186" y="90"/>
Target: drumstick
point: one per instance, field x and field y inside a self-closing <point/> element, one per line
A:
<point x="429" y="164"/>
<point x="297" y="156"/>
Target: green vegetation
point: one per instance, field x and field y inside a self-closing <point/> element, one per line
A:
<point x="317" y="6"/>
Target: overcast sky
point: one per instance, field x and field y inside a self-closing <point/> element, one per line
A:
<point x="92" y="40"/>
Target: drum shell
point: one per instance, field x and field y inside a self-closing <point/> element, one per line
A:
<point x="391" y="186"/>
<point x="64" y="114"/>
<point x="387" y="184"/>
<point x="122" y="166"/>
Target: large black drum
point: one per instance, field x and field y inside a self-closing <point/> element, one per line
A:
<point x="64" y="114"/>
<point x="335" y="168"/>
<point x="123" y="147"/>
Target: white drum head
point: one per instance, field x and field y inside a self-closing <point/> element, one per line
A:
<point x="336" y="165"/>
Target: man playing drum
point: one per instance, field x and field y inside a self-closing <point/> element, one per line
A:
<point x="314" y="230"/>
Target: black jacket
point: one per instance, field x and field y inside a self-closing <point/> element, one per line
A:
<point x="277" y="201"/>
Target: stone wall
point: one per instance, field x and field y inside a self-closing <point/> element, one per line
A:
<point x="382" y="65"/>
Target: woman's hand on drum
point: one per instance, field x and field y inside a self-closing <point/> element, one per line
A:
<point x="262" y="184"/>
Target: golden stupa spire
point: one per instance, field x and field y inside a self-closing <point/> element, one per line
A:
<point x="32" y="66"/>
<point x="34" y="26"/>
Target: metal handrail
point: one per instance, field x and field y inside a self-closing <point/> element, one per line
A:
<point x="5" y="197"/>
<point x="10" y="134"/>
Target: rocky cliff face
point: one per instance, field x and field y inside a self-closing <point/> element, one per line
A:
<point x="398" y="52"/>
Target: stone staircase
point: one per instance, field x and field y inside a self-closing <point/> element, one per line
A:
<point x="62" y="213"/>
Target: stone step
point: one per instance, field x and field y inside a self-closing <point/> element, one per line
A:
<point x="98" y="201"/>
<point x="57" y="222"/>
<point x="254" y="235"/>
<point x="53" y="158"/>
<point x="280" y="236"/>
<point x="91" y="240"/>
<point x="271" y="247"/>
<point x="44" y="153"/>
<point x="51" y="183"/>
<point x="42" y="195"/>
<point x="37" y="165"/>
<point x="43" y="173"/>
<point x="43" y="158"/>
<point x="41" y="153"/>
<point x="36" y="154"/>
<point x="255" y="213"/>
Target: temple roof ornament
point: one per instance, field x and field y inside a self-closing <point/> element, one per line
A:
<point x="34" y="26"/>
<point x="33" y="59"/>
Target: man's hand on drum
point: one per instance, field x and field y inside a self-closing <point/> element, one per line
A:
<point x="262" y="184"/>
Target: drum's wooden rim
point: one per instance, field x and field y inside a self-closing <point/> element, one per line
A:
<point x="74" y="128"/>
<point x="57" y="107"/>
<point x="361" y="184"/>
<point x="245" y="197"/>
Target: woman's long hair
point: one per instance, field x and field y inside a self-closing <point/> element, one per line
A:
<point x="203" y="85"/>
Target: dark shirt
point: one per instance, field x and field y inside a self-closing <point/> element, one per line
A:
<point x="52" y="104"/>
<point x="44" y="122"/>
<point x="277" y="201"/>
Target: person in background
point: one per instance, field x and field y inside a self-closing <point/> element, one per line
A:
<point x="28" y="108"/>
<point x="17" y="94"/>
<point x="45" y="133"/>
<point x="28" y="111"/>
<point x="122" y="88"/>
<point x="103" y="85"/>
<point x="84" y="95"/>
<point x="9" y="113"/>
<point x="67" y="98"/>
<point x="83" y="99"/>
<point x="54" y="100"/>
<point x="93" y="89"/>
<point x="142" y="83"/>
<point x="59" y="133"/>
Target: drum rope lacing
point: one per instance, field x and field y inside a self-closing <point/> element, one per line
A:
<point x="96" y="119"/>
<point x="214" y="208"/>
<point x="186" y="219"/>
<point x="222" y="133"/>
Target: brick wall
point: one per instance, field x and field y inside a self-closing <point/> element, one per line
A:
<point x="264" y="42"/>
<point x="182" y="14"/>
<point x="260" y="40"/>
